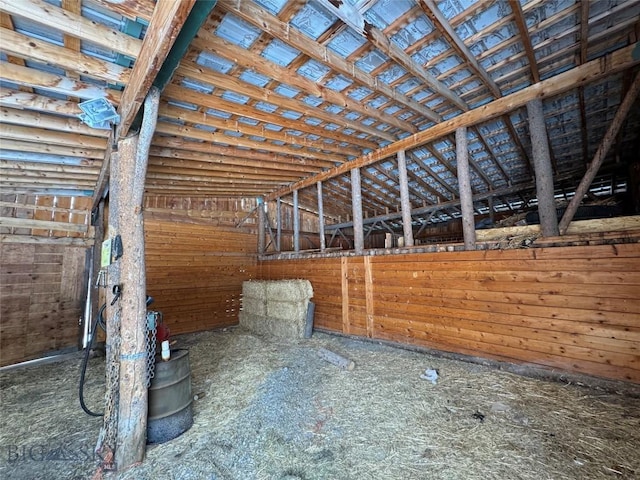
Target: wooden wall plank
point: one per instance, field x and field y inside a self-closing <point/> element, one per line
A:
<point x="195" y="272"/>
<point x="41" y="295"/>
<point x="573" y="308"/>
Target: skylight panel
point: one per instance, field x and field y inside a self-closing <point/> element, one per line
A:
<point x="345" y="43"/>
<point x="313" y="70"/>
<point x="254" y="78"/>
<point x="273" y="6"/>
<point x="214" y="62"/>
<point x="338" y="83"/>
<point x="313" y="20"/>
<point x="237" y="31"/>
<point x="286" y="90"/>
<point x="371" y="61"/>
<point x="280" y="53"/>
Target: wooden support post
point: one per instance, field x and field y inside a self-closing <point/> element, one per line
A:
<point x="356" y="206"/>
<point x="405" y="203"/>
<point x="323" y="244"/>
<point x="296" y="223"/>
<point x="492" y="212"/>
<point x="261" y="227"/>
<point x="279" y="224"/>
<point x="132" y="408"/>
<point x="600" y="155"/>
<point x="466" y="194"/>
<point x="543" y="169"/>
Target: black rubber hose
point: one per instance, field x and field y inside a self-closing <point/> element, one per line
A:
<point x="85" y="360"/>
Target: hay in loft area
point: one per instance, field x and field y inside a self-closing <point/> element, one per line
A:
<point x="271" y="408"/>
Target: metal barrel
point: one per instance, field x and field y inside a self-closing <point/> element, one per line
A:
<point x="170" y="413"/>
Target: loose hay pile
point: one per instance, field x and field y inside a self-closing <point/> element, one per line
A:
<point x="272" y="409"/>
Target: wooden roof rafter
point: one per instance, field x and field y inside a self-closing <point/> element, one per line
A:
<point x="260" y="18"/>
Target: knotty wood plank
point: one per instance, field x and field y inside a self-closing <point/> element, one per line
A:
<point x="370" y="310"/>
<point x="344" y="277"/>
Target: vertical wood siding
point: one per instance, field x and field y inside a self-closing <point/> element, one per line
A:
<point x="572" y="308"/>
<point x="195" y="273"/>
<point x="42" y="290"/>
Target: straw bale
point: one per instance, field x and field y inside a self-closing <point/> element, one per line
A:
<point x="289" y="290"/>
<point x="254" y="289"/>
<point x="288" y="312"/>
<point x="257" y="306"/>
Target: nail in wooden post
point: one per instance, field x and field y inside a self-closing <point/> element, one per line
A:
<point x="356" y="206"/>
<point x="323" y="244"/>
<point x="296" y="223"/>
<point x="466" y="195"/>
<point x="543" y="169"/>
<point x="405" y="203"/>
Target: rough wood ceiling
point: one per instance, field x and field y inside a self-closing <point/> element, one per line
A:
<point x="273" y="93"/>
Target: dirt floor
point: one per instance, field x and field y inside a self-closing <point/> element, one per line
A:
<point x="273" y="409"/>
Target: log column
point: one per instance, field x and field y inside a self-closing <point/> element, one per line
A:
<point x="261" y="227"/>
<point x="279" y="224"/>
<point x="296" y="223"/>
<point x="543" y="169"/>
<point x="466" y="195"/>
<point x="323" y="244"/>
<point x="356" y="206"/>
<point x="132" y="407"/>
<point x="405" y="203"/>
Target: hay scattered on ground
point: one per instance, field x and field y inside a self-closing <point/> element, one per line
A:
<point x="272" y="409"/>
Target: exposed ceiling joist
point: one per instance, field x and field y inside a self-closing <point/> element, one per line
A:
<point x="615" y="62"/>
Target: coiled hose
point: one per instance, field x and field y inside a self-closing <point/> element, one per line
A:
<point x="98" y="321"/>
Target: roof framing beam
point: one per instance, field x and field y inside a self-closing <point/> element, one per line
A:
<point x="253" y="14"/>
<point x="56" y="83"/>
<point x="614" y="62"/>
<point x="433" y="12"/>
<point x="207" y="41"/>
<point x="73" y="24"/>
<point x="377" y="38"/>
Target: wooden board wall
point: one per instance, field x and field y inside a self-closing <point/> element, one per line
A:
<point x="42" y="288"/>
<point x="220" y="212"/>
<point x="195" y="273"/>
<point x="575" y="309"/>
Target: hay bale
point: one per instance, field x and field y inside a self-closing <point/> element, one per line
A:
<point x="254" y="289"/>
<point x="289" y="290"/>
<point x="276" y="308"/>
<point x="257" y="306"/>
<point x="290" y="312"/>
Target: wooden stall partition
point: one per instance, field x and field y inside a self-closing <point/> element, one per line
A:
<point x="574" y="309"/>
<point x="195" y="272"/>
<point x="42" y="293"/>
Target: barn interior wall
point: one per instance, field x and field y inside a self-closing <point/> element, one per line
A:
<point x="195" y="272"/>
<point x="42" y="292"/>
<point x="575" y="309"/>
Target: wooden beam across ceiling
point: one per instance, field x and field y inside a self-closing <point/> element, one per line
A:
<point x="614" y="62"/>
<point x="73" y="24"/>
<point x="210" y="42"/>
<point x="30" y="48"/>
<point x="56" y="83"/>
<point x="261" y="18"/>
<point x="166" y="22"/>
